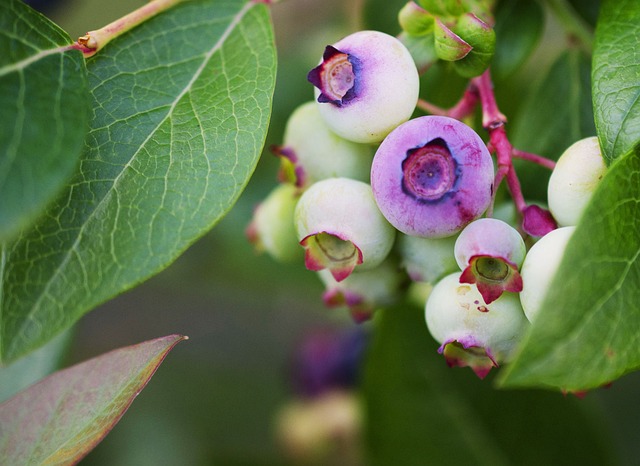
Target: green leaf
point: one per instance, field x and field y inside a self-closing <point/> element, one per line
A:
<point x="419" y="411"/>
<point x="64" y="416"/>
<point x="616" y="77"/>
<point x="519" y="25"/>
<point x="181" y="108"/>
<point x="554" y="115"/>
<point x="45" y="110"/>
<point x="587" y="332"/>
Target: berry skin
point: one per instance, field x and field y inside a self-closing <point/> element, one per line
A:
<point x="537" y="221"/>
<point x="366" y="85"/>
<point x="471" y="332"/>
<point x="489" y="252"/>
<point x="427" y="259"/>
<point x="431" y="176"/>
<point x="271" y="229"/>
<point x="340" y="227"/>
<point x="312" y="152"/>
<point x="540" y="266"/>
<point x="365" y="291"/>
<point x="574" y="179"/>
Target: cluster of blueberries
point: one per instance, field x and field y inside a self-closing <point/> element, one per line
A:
<point x="372" y="199"/>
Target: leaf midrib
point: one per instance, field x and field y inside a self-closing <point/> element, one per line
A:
<point x="67" y="257"/>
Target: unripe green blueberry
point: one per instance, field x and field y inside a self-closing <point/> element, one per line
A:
<point x="364" y="291"/>
<point x="471" y="332"/>
<point x="490" y="252"/>
<point x="427" y="259"/>
<point x="366" y="85"/>
<point x="340" y="227"/>
<point x="271" y="229"/>
<point x="574" y="179"/>
<point x="312" y="152"/>
<point x="539" y="267"/>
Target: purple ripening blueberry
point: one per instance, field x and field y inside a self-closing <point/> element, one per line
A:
<point x="366" y="84"/>
<point x="432" y="176"/>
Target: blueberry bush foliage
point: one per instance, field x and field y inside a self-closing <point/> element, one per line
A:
<point x="121" y="148"/>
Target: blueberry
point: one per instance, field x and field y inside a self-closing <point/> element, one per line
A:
<point x="432" y="176"/>
<point x="366" y="85"/>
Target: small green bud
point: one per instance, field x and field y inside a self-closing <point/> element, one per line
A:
<point x="482" y="38"/>
<point x="483" y="9"/>
<point x="443" y="7"/>
<point x="449" y="46"/>
<point x="415" y="20"/>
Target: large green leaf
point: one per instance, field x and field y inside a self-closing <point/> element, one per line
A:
<point x="616" y="77"/>
<point x="62" y="417"/>
<point x="587" y="332"/>
<point x="45" y="109"/>
<point x="419" y="411"/>
<point x="181" y="108"/>
<point x="555" y="114"/>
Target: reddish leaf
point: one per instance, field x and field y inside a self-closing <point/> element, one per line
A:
<point x="64" y="416"/>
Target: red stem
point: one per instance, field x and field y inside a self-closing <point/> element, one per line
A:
<point x="431" y="108"/>
<point x="494" y="122"/>
<point x="491" y="116"/>
<point x="535" y="158"/>
<point x="481" y="89"/>
<point x="462" y="109"/>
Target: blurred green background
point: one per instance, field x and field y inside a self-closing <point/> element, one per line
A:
<point x="214" y="399"/>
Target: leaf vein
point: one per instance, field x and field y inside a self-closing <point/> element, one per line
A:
<point x="235" y="20"/>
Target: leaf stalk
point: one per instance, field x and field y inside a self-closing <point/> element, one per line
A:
<point x="93" y="41"/>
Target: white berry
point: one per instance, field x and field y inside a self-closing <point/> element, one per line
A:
<point x="539" y="268"/>
<point x="574" y="179"/>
